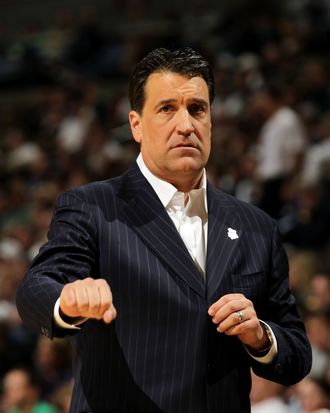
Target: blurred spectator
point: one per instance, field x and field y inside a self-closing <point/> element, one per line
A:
<point x="62" y="396"/>
<point x="42" y="203"/>
<point x="303" y="264"/>
<point x="318" y="331"/>
<point x="318" y="155"/>
<point x="311" y="396"/>
<point x="318" y="297"/>
<point x="92" y="50"/>
<point x="305" y="218"/>
<point x="313" y="84"/>
<point x="73" y="128"/>
<point x="52" y="361"/>
<point x="20" y="152"/>
<point x="281" y="145"/>
<point x="267" y="396"/>
<point x="21" y="393"/>
<point x="16" y="343"/>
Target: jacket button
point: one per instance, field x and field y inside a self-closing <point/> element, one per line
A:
<point x="210" y="368"/>
<point x="45" y="331"/>
<point x="279" y="368"/>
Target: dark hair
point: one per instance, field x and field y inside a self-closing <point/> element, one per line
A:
<point x="275" y="89"/>
<point x="185" y="61"/>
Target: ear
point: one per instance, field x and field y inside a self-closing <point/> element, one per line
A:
<point x="136" y="127"/>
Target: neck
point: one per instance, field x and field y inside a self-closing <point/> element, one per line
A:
<point x="187" y="185"/>
<point x="28" y="407"/>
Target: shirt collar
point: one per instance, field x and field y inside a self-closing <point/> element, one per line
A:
<point x="164" y="190"/>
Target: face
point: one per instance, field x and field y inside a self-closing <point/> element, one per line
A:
<point x="261" y="104"/>
<point x="16" y="388"/>
<point x="174" y="128"/>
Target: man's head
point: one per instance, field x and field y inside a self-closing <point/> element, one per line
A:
<point x="185" y="62"/>
<point x="171" y="95"/>
<point x="266" y="101"/>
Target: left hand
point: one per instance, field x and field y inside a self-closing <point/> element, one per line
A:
<point x="236" y="316"/>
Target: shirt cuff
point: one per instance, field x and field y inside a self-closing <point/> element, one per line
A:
<point x="63" y="324"/>
<point x="272" y="352"/>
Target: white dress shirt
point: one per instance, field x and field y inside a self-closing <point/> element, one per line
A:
<point x="189" y="216"/>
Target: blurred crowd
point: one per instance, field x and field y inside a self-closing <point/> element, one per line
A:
<point x="63" y="122"/>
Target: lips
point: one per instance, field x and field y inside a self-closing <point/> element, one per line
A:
<point x="185" y="145"/>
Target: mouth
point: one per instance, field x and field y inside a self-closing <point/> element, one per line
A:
<point x="185" y="145"/>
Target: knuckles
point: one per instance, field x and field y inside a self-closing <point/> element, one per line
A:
<point x="85" y="295"/>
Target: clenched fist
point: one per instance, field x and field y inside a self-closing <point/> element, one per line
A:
<point x="88" y="298"/>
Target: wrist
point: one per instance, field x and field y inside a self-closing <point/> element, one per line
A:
<point x="63" y="321"/>
<point x="264" y="344"/>
<point x="67" y="319"/>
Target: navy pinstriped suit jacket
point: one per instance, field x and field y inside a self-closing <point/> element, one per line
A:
<point x="162" y="353"/>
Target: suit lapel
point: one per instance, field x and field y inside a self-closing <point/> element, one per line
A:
<point x="220" y="246"/>
<point x="145" y="214"/>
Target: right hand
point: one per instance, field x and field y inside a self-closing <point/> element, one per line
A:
<point x="88" y="298"/>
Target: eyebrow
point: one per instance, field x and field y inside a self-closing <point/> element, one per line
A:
<point x="200" y="101"/>
<point x="165" y="102"/>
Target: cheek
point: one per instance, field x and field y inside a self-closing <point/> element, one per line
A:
<point x="208" y="147"/>
<point x="154" y="147"/>
<point x="205" y="128"/>
<point x="207" y="138"/>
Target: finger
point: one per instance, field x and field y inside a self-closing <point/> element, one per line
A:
<point x="110" y="314"/>
<point x="235" y="319"/>
<point x="68" y="302"/>
<point x="239" y="329"/>
<point x="105" y="297"/>
<point x="230" y="307"/>
<point x="216" y="306"/>
<point x="82" y="298"/>
<point x="94" y="300"/>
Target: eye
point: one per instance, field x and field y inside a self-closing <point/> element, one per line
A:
<point x="166" y="108"/>
<point x="197" y="109"/>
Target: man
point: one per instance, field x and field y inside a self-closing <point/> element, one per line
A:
<point x="167" y="275"/>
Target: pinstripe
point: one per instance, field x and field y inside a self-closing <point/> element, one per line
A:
<point x="148" y="345"/>
<point x="137" y="338"/>
<point x="153" y="366"/>
<point x="162" y="353"/>
<point x="173" y="384"/>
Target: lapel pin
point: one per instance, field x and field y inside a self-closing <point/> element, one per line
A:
<point x="232" y="234"/>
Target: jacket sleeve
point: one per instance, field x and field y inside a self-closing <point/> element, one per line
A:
<point x="294" y="358"/>
<point x="69" y="254"/>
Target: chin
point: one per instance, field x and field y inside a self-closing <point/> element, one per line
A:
<point x="189" y="165"/>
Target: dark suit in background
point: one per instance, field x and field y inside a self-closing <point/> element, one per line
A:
<point x="163" y="353"/>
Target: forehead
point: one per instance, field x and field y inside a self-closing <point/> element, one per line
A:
<point x="16" y="378"/>
<point x="170" y="85"/>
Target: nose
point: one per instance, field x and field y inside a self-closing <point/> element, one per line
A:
<point x="184" y="123"/>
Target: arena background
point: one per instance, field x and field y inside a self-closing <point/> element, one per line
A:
<point x="64" y="67"/>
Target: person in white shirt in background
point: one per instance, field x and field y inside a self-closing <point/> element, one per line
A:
<point x="280" y="148"/>
<point x="318" y="155"/>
